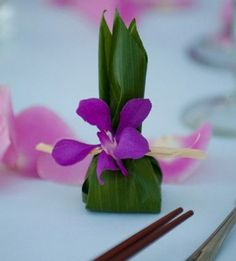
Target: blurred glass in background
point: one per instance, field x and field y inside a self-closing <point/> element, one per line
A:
<point x="6" y="16"/>
<point x="218" y="51"/>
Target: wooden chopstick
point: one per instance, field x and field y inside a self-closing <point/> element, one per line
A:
<point x="131" y="240"/>
<point x="145" y="237"/>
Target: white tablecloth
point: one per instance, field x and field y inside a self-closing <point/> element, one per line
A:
<point x="51" y="59"/>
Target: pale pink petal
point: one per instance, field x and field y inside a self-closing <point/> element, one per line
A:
<point x="94" y="9"/>
<point x="63" y="3"/>
<point x="128" y="9"/>
<point x="35" y="125"/>
<point x="226" y="34"/>
<point x="183" y="3"/>
<point x="7" y="128"/>
<point x="178" y="169"/>
<point x="173" y="3"/>
<point x="5" y="110"/>
<point x="48" y="169"/>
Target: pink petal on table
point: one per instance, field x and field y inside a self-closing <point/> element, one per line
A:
<point x="226" y="33"/>
<point x="35" y="125"/>
<point x="183" y="3"/>
<point x="63" y="3"/>
<point x="130" y="9"/>
<point x="174" y="3"/>
<point x="48" y="169"/>
<point x="178" y="169"/>
<point x="94" y="9"/>
<point x="7" y="128"/>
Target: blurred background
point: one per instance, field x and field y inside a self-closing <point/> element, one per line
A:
<point x="48" y="55"/>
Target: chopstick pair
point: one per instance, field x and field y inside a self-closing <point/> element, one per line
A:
<point x="146" y="236"/>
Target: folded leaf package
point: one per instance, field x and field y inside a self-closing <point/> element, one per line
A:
<point x="122" y="74"/>
<point x="122" y="175"/>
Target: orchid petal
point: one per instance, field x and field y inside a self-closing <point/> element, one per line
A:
<point x="178" y="169"/>
<point x="122" y="167"/>
<point x="68" y="152"/>
<point x="103" y="138"/>
<point x="35" y="125"/>
<point x="133" y="114"/>
<point x="7" y="128"/>
<point x="132" y="145"/>
<point x="105" y="162"/>
<point x="48" y="169"/>
<point x="95" y="112"/>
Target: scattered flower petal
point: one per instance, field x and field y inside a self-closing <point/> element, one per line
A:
<point x="7" y="128"/>
<point x="226" y="34"/>
<point x="93" y="8"/>
<point x="128" y="9"/>
<point x="48" y="169"/>
<point x="20" y="134"/>
<point x="35" y="125"/>
<point x="177" y="169"/>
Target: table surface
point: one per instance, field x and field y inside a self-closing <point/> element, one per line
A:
<point x="46" y="61"/>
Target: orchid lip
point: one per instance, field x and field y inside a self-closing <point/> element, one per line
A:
<point x="108" y="143"/>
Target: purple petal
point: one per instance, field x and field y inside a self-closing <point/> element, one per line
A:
<point x="122" y="167"/>
<point x="133" y="114"/>
<point x="68" y="152"/>
<point x="132" y="145"/>
<point x="105" y="162"/>
<point x="103" y="138"/>
<point x="95" y="112"/>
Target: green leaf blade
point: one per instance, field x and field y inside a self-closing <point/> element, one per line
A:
<point x="104" y="50"/>
<point x="127" y="69"/>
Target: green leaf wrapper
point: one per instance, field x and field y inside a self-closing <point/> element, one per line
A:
<point x="122" y="74"/>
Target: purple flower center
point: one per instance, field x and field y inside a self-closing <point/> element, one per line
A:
<point x="126" y="143"/>
<point x="108" y="142"/>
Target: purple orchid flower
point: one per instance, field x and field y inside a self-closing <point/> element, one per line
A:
<point x="126" y="143"/>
